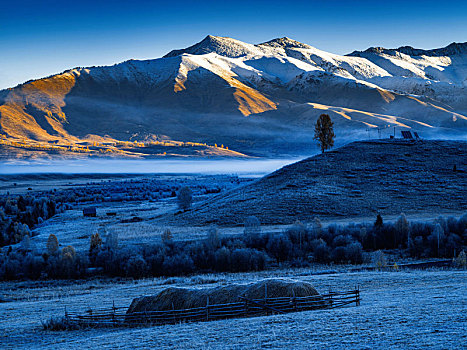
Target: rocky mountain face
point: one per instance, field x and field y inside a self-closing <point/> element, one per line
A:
<point x="259" y="99"/>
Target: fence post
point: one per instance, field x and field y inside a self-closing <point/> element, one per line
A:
<point x="358" y="296"/>
<point x="207" y="308"/>
<point x="266" y="297"/>
<point x="66" y="314"/>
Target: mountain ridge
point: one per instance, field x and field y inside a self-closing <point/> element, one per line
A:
<point x="258" y="99"/>
<point x="451" y="49"/>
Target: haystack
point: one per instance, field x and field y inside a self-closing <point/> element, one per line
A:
<point x="183" y="298"/>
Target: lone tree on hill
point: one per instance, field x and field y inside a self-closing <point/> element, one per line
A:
<point x="324" y="132"/>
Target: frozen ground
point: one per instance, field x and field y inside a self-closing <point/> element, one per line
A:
<point x="399" y="310"/>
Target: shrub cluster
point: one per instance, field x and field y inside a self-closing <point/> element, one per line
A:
<point x="26" y="262"/>
<point x="299" y="245"/>
<point x="19" y="214"/>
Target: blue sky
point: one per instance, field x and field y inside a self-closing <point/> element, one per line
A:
<point x="43" y="37"/>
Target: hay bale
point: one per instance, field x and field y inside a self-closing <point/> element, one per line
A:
<point x="174" y="298"/>
<point x="279" y="288"/>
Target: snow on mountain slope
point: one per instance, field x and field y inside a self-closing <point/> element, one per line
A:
<point x="226" y="47"/>
<point x="440" y="73"/>
<point x="356" y="67"/>
<point x="204" y="92"/>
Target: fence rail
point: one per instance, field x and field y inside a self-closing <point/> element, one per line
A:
<point x="119" y="317"/>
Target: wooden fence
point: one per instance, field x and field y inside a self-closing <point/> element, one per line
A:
<point x="118" y="317"/>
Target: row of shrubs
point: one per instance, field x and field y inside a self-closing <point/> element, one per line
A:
<point x="300" y="245"/>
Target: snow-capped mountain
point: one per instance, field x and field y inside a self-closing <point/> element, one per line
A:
<point x="257" y="99"/>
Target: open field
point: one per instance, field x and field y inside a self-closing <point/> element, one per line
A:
<point x="135" y="200"/>
<point x="399" y="309"/>
<point x="406" y="309"/>
<point x="148" y="198"/>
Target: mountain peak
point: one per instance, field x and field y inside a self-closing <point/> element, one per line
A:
<point x="285" y="42"/>
<point x="223" y="46"/>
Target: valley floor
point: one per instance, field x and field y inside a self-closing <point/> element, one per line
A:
<point x="72" y="228"/>
<point x="399" y="310"/>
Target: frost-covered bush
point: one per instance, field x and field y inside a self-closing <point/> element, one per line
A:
<point x="114" y="260"/>
<point x="52" y="245"/>
<point x="20" y="214"/>
<point x="12" y="267"/>
<point x="222" y="259"/>
<point x="402" y="229"/>
<point x="347" y="251"/>
<point x="154" y="256"/>
<point x="111" y="241"/>
<point x="33" y="266"/>
<point x="317" y="226"/>
<point x="246" y="259"/>
<point x="179" y="264"/>
<point x="201" y="256"/>
<point x="354" y="253"/>
<point x="298" y="234"/>
<point x="279" y="247"/>
<point x="462" y="223"/>
<point x="94" y="246"/>
<point x="379" y="259"/>
<point x="252" y="226"/>
<point x="417" y="246"/>
<point x="461" y="260"/>
<point x="185" y="198"/>
<point x="136" y="267"/>
<point x="67" y="264"/>
<point x="342" y="241"/>
<point x="453" y="244"/>
<point x="436" y="241"/>
<point x="321" y="251"/>
<point x="213" y="239"/>
<point x="338" y="255"/>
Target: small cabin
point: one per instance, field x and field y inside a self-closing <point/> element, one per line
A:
<point x="90" y="211"/>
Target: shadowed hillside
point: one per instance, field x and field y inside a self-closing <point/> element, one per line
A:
<point x="358" y="180"/>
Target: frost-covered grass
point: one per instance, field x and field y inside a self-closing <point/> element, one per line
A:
<point x="128" y="196"/>
<point x="407" y="309"/>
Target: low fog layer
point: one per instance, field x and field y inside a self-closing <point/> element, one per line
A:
<point x="174" y="166"/>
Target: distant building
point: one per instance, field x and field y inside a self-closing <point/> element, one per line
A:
<point x="90" y="211"/>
